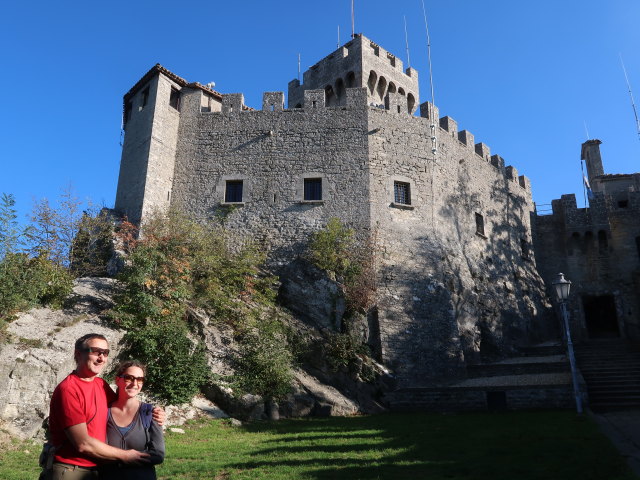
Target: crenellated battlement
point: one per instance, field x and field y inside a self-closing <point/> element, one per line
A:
<point x="360" y="63"/>
<point x="449" y="127"/>
<point x="315" y="101"/>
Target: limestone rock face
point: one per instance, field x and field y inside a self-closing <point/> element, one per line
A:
<point x="40" y="354"/>
<point x="315" y="298"/>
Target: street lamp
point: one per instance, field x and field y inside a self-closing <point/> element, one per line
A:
<point x="562" y="287"/>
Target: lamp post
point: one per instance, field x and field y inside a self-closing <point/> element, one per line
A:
<point x="562" y="287"/>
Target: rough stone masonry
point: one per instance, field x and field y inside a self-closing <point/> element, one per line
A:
<point x="456" y="277"/>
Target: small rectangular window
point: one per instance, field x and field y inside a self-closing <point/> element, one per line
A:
<point x="174" y="98"/>
<point x="479" y="224"/>
<point x="638" y="245"/>
<point x="402" y="193"/>
<point x="524" y="247"/>
<point x="233" y="191"/>
<point x="145" y="98"/>
<point x="623" y="203"/>
<point x="313" y="189"/>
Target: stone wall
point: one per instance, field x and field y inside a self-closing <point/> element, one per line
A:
<point x="450" y="295"/>
<point x="598" y="251"/>
<point x="272" y="152"/>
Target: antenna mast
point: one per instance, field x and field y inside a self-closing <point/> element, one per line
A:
<point x="434" y="140"/>
<point x="406" y="41"/>
<point x="586" y="129"/>
<point x="353" y="22"/>
<point x="338" y="44"/>
<point x="633" y="104"/>
<point x="298" y="67"/>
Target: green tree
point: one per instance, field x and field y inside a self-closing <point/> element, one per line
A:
<point x="54" y="227"/>
<point x="10" y="232"/>
<point x="177" y="263"/>
<point x="264" y="364"/>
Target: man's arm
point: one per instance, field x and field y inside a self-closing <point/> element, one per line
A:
<point x="80" y="439"/>
<point x="159" y="415"/>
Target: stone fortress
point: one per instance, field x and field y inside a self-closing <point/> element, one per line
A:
<point x="598" y="248"/>
<point x="460" y="246"/>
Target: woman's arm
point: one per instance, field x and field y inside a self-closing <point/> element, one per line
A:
<point x="155" y="447"/>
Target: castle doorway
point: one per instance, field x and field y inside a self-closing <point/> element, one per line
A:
<point x="600" y="316"/>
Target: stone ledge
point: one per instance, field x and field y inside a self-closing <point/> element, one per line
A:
<point x="402" y="206"/>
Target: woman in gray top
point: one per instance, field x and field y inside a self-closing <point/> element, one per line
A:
<point x="130" y="425"/>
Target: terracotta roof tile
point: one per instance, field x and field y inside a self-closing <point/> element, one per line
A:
<point x="157" y="68"/>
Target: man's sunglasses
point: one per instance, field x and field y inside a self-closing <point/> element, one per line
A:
<point x="96" y="351"/>
<point x="131" y="378"/>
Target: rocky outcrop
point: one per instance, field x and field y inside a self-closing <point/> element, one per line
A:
<point x="39" y="354"/>
<point x="312" y="296"/>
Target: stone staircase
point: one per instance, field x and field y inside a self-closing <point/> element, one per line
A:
<point x="539" y="378"/>
<point x="611" y="369"/>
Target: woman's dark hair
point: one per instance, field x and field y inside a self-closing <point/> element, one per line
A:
<point x="122" y="366"/>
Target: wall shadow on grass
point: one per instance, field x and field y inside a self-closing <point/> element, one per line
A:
<point x="413" y="446"/>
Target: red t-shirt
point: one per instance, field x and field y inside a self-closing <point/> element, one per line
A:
<point x="75" y="401"/>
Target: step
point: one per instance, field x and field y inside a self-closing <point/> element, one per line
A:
<point x="499" y="369"/>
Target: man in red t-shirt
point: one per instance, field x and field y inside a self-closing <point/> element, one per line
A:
<point x="78" y="416"/>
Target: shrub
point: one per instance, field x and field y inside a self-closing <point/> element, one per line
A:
<point x="176" y="366"/>
<point x="178" y="263"/>
<point x="336" y="249"/>
<point x="92" y="247"/>
<point x="26" y="282"/>
<point x="264" y="363"/>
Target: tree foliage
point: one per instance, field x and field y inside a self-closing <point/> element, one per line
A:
<point x="29" y="281"/>
<point x="10" y="232"/>
<point x="337" y="249"/>
<point x="54" y="227"/>
<point x="264" y="364"/>
<point x="175" y="264"/>
<point x="26" y="280"/>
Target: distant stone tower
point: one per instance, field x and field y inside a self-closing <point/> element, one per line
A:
<point x="360" y="63"/>
<point x="591" y="155"/>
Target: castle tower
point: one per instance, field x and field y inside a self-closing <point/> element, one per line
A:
<point x="591" y="155"/>
<point x="151" y="120"/>
<point x="360" y="63"/>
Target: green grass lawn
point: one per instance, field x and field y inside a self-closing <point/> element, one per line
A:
<point x="513" y="446"/>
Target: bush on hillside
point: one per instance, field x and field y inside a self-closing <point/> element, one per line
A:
<point x="175" y="264"/>
<point x="26" y="282"/>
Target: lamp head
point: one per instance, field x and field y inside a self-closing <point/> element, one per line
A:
<point x="562" y="287"/>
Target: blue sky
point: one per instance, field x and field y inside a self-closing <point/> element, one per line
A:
<point x="523" y="77"/>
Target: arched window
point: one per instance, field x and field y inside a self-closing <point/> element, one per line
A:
<point x="587" y="246"/>
<point x="401" y="91"/>
<point x="392" y="87"/>
<point x="373" y="79"/>
<point x="382" y="88"/>
<point x="329" y="96"/>
<point x="411" y="103"/>
<point x="351" y="80"/>
<point x="574" y="243"/>
<point x="340" y="94"/>
<point x="603" y="243"/>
